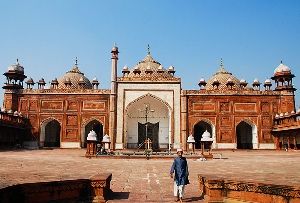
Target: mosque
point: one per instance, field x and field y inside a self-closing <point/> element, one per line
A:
<point x="147" y="101"/>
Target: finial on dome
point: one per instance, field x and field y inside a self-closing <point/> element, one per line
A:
<point x="115" y="44"/>
<point x="148" y="49"/>
<point x="221" y="62"/>
<point x="17" y="60"/>
<point x="76" y="61"/>
<point x="281" y="61"/>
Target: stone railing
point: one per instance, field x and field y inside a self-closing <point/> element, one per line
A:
<point x="95" y="189"/>
<point x="220" y="190"/>
<point x="289" y="122"/>
<point x="229" y="92"/>
<point x="64" y="91"/>
<point x="9" y="119"/>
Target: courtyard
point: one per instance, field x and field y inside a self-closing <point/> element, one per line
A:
<point x="141" y="180"/>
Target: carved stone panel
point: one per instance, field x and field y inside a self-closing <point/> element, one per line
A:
<point x="266" y="121"/>
<point x="52" y="105"/>
<point x="265" y="107"/>
<point x="94" y="105"/>
<point x="225" y="136"/>
<point x="71" y="134"/>
<point x="23" y="105"/>
<point x="72" y="120"/>
<point x="225" y="121"/>
<point x="224" y="107"/>
<point x="204" y="106"/>
<point x="266" y="135"/>
<point x="245" y="107"/>
<point x="33" y="105"/>
<point x="72" y="105"/>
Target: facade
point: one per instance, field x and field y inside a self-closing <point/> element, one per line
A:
<point x="147" y="101"/>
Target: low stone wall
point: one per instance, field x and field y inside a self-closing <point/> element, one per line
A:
<point x="220" y="190"/>
<point x="94" y="189"/>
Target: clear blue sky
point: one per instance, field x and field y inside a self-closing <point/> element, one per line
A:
<point x="251" y="36"/>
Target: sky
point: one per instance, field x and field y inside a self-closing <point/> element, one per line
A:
<point x="252" y="37"/>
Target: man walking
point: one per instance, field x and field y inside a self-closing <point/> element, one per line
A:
<point x="180" y="168"/>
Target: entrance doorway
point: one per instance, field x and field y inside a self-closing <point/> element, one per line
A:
<point x="52" y="134"/>
<point x="95" y="126"/>
<point x="244" y="136"/>
<point x="152" y="133"/>
<point x="199" y="129"/>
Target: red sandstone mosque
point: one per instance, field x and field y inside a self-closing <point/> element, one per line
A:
<point x="147" y="101"/>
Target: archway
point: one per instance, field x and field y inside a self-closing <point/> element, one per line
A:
<point x="199" y="129"/>
<point x="148" y="117"/>
<point x="93" y="125"/>
<point x="52" y="134"/>
<point x="244" y="135"/>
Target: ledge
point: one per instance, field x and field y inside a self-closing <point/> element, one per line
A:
<point x="218" y="190"/>
<point x="94" y="189"/>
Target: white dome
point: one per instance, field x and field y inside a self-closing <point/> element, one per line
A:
<point x="242" y="81"/>
<point x="191" y="139"/>
<point x="286" y="113"/>
<point x="106" y="138"/>
<point x="206" y="136"/>
<point x="268" y="81"/>
<point x="255" y="80"/>
<point x="92" y="136"/>
<point x="125" y="67"/>
<point x="282" y="68"/>
<point x="202" y="80"/>
<point x="171" y="68"/>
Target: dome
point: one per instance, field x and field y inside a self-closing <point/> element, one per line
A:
<point x="106" y="138"/>
<point x="282" y="69"/>
<point x="206" y="136"/>
<point x="149" y="65"/>
<point x="268" y="81"/>
<point x="30" y="81"/>
<point x="222" y="76"/>
<point x="92" y="136"/>
<point x="191" y="139"/>
<point x="16" y="67"/>
<point x="75" y="77"/>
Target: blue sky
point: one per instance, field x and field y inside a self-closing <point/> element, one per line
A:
<point x="251" y="36"/>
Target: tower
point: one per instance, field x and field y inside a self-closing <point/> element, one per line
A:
<point x="113" y="95"/>
<point x="14" y="81"/>
<point x="283" y="78"/>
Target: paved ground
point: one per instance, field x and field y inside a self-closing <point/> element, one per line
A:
<point x="147" y="180"/>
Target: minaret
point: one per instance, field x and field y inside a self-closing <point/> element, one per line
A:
<point x="113" y="96"/>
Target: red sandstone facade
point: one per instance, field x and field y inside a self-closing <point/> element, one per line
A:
<point x="237" y="115"/>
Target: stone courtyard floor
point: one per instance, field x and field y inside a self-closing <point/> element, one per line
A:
<point x="141" y="180"/>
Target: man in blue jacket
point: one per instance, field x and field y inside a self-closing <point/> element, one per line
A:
<point x="180" y="168"/>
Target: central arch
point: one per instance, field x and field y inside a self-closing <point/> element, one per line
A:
<point x="50" y="133"/>
<point x="147" y="117"/>
<point x="246" y="135"/>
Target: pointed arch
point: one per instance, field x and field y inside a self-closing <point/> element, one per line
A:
<point x="159" y="126"/>
<point x="246" y="134"/>
<point x="200" y="126"/>
<point x="91" y="124"/>
<point x="147" y="95"/>
<point x="50" y="135"/>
